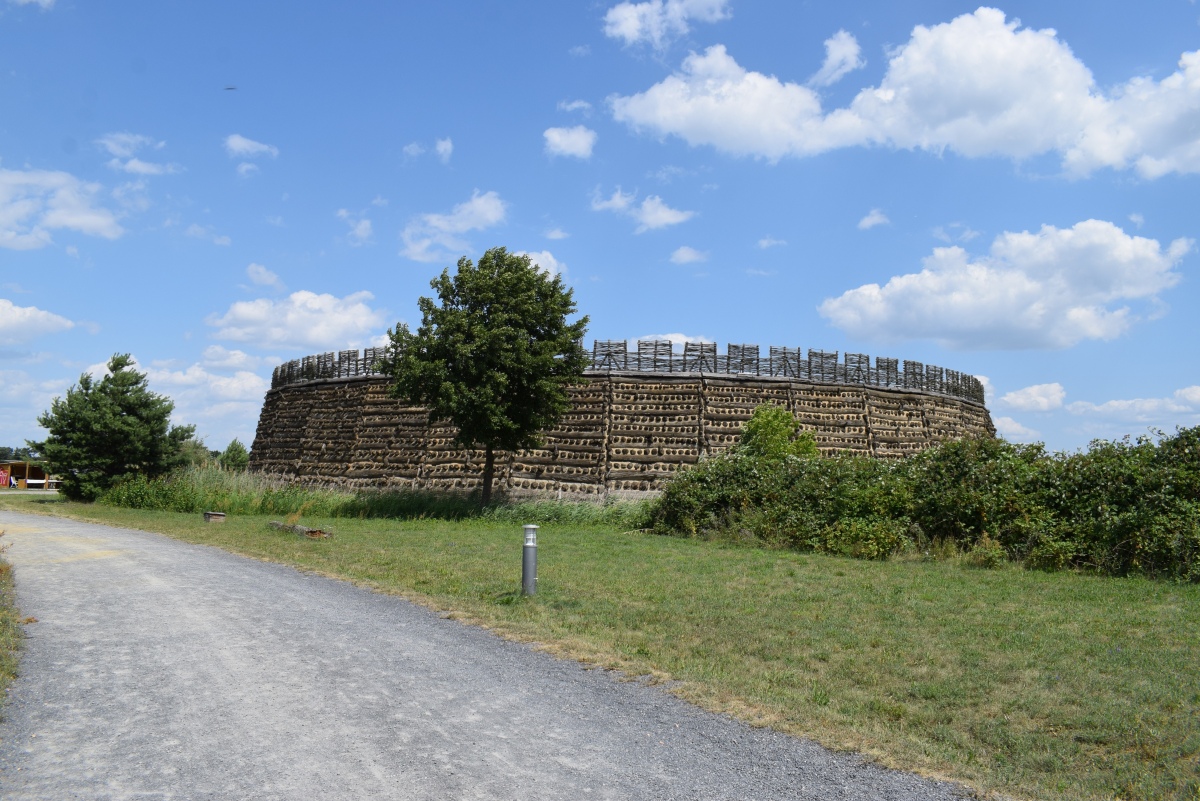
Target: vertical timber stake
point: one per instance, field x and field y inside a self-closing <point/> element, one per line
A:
<point x="529" y="562"/>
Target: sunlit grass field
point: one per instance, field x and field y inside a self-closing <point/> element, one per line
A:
<point x="1030" y="684"/>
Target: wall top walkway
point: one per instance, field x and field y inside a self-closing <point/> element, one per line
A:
<point x="660" y="356"/>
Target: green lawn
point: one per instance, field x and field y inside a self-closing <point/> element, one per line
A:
<point x="1034" y="685"/>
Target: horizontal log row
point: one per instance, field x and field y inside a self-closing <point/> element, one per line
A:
<point x="623" y="433"/>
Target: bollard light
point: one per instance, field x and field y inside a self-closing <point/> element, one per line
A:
<point x="529" y="562"/>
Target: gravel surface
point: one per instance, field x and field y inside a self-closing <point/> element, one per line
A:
<point x="163" y="670"/>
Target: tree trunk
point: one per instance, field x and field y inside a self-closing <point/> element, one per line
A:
<point x="489" y="467"/>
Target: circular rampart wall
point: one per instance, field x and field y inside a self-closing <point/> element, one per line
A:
<point x="329" y="420"/>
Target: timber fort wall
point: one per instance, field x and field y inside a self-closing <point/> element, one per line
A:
<point x="635" y="420"/>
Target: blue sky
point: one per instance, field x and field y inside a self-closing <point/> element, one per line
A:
<point x="1009" y="192"/>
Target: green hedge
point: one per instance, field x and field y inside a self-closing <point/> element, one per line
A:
<point x="1119" y="508"/>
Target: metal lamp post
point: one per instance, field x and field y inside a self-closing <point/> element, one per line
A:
<point x="529" y="562"/>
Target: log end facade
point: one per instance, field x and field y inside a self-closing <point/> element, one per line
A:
<point x="626" y="432"/>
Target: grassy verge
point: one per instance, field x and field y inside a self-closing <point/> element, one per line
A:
<point x="10" y="627"/>
<point x="1038" y="685"/>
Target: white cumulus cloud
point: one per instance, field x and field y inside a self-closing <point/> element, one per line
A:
<point x="771" y="242"/>
<point x="25" y="323"/>
<point x="577" y="141"/>
<point x="1049" y="289"/>
<point x="657" y="22"/>
<point x="1036" y="398"/>
<point x="220" y="358"/>
<point x="545" y="260"/>
<point x="842" y="56"/>
<point x="979" y="85"/>
<point x="238" y="146"/>
<point x="1180" y="408"/>
<point x="302" y="320"/>
<point x="438" y="237"/>
<point x="1011" y="430"/>
<point x="444" y="148"/>
<point x="35" y="202"/>
<point x="687" y="255"/>
<point x="874" y="217"/>
<point x="677" y="340"/>
<point x="651" y="213"/>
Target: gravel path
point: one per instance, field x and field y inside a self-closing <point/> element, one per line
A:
<point x="162" y="670"/>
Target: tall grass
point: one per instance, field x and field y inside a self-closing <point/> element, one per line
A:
<point x="10" y="626"/>
<point x="199" y="489"/>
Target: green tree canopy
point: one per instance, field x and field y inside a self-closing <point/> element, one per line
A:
<point x="235" y="456"/>
<point x="105" y="431"/>
<point x="493" y="355"/>
<point x="773" y="433"/>
<point x="8" y="453"/>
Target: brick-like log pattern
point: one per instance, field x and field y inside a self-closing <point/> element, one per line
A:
<point x="625" y="432"/>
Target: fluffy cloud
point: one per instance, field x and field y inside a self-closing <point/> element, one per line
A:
<point x="657" y="22"/>
<point x="1049" y="289"/>
<point x="556" y="233"/>
<point x="677" y="340"/>
<point x="714" y="101"/>
<point x="35" y="202"/>
<point x="978" y="85"/>
<point x="577" y="141"/>
<point x="25" y="323"/>
<point x="1010" y="429"/>
<point x="545" y="260"/>
<point x="438" y="237"/>
<point x="574" y="105"/>
<point x="687" y="255"/>
<point x="842" y="56"/>
<point x="652" y="213"/>
<point x="122" y="147"/>
<point x="238" y="146"/>
<point x="444" y="148"/>
<point x="874" y="217"/>
<point x="770" y="242"/>
<point x="1037" y="398"/>
<point x="221" y="405"/>
<point x="360" y="227"/>
<point x="261" y="276"/>
<point x="219" y="358"/>
<point x="302" y="321"/>
<point x="1181" y="408"/>
<point x="243" y="385"/>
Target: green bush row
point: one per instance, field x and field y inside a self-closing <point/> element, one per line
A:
<point x="1121" y="507"/>
<point x="200" y="489"/>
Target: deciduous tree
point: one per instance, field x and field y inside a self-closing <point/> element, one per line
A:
<point x="493" y="355"/>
